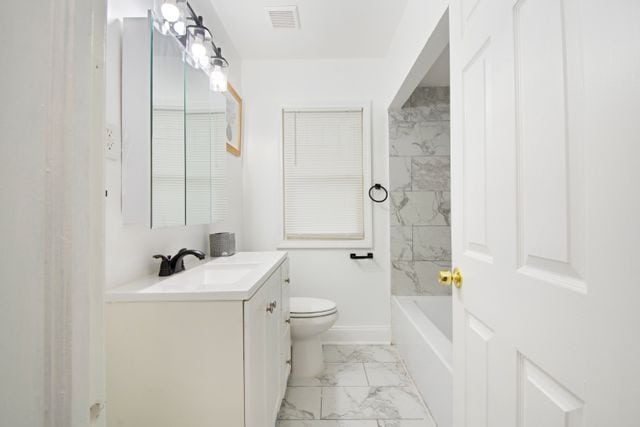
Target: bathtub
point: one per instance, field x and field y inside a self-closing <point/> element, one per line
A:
<point x="422" y="330"/>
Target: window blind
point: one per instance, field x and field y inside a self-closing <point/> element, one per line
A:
<point x="206" y="167"/>
<point x="323" y="172"/>
<point x="220" y="200"/>
<point x="200" y="191"/>
<point x="167" y="168"/>
<point x="198" y="151"/>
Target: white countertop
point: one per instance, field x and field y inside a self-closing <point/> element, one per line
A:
<point x="233" y="278"/>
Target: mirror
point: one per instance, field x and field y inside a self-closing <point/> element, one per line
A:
<point x="205" y="123"/>
<point x="167" y="132"/>
<point x="174" y="133"/>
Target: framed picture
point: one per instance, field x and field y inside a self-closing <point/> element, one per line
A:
<point x="234" y="121"/>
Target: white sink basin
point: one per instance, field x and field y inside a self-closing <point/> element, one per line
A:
<point x="229" y="278"/>
<point x="207" y="276"/>
<point x="226" y="274"/>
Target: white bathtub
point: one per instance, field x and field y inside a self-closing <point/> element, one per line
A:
<point x="421" y="328"/>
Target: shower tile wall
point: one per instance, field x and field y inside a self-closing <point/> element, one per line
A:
<point x="420" y="200"/>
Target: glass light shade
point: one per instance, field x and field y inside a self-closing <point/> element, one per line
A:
<point x="170" y="17"/>
<point x="218" y="78"/>
<point x="170" y="11"/>
<point x="199" y="47"/>
<point x="179" y="28"/>
<point x="204" y="62"/>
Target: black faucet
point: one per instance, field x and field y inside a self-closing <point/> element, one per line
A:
<point x="175" y="264"/>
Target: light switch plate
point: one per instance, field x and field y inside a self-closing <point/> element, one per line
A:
<point x="112" y="142"/>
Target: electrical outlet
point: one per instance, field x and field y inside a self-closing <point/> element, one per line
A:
<point x="112" y="142"/>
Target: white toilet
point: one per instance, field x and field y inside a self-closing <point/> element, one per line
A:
<point x="310" y="317"/>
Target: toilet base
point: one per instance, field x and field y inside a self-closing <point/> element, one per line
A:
<point x="307" y="358"/>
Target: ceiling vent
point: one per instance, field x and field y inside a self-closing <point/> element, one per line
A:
<point x="283" y="16"/>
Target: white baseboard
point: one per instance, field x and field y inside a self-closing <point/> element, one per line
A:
<point x="357" y="335"/>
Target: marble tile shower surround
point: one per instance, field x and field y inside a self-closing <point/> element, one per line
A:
<point x="419" y="169"/>
<point x="361" y="386"/>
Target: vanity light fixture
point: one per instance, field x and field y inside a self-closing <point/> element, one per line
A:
<point x="171" y="17"/>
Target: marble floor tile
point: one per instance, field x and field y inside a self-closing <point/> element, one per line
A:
<point x="327" y="423"/>
<point x="301" y="403"/>
<point x="371" y="403"/>
<point x="360" y="353"/>
<point x="335" y="374"/>
<point x="387" y="374"/>
<point x="406" y="423"/>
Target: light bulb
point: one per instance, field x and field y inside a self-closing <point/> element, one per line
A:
<point x="203" y="62"/>
<point x="197" y="48"/>
<point x="218" y="79"/>
<point x="170" y="11"/>
<point x="179" y="28"/>
<point x="165" y="28"/>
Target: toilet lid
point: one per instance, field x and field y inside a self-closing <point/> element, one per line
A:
<point x="311" y="307"/>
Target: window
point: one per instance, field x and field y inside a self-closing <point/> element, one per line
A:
<point x="326" y="167"/>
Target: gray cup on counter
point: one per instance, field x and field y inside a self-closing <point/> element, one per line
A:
<point x="222" y="244"/>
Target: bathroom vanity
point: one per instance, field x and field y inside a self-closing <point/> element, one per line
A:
<point x="209" y="346"/>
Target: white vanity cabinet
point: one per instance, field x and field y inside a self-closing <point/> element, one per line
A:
<point x="181" y="355"/>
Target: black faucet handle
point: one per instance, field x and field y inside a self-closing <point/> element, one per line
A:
<point x="165" y="265"/>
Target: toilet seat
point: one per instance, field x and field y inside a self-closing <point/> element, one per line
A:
<point x="311" y="307"/>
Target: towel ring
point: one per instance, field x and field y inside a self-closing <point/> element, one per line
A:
<point x="378" y="187"/>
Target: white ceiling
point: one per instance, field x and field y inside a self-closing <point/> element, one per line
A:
<point x="328" y="28"/>
<point x="438" y="74"/>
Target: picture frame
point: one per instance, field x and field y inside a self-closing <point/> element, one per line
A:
<point x="234" y="121"/>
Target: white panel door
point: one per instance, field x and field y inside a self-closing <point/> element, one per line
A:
<point x="546" y="212"/>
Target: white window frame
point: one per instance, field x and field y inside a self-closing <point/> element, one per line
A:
<point x="367" y="242"/>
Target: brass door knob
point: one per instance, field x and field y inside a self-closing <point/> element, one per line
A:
<point x="447" y="277"/>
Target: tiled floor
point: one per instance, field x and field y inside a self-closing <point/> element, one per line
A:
<point x="362" y="386"/>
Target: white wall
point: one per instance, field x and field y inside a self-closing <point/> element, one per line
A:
<point x="129" y="248"/>
<point x="360" y="288"/>
<point x="410" y="56"/>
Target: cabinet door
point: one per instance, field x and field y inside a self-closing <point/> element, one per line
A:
<point x="285" y="340"/>
<point x="273" y="359"/>
<point x="255" y="367"/>
<point x="262" y="327"/>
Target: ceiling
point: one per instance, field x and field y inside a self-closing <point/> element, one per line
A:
<point x="438" y="74"/>
<point x="329" y="29"/>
